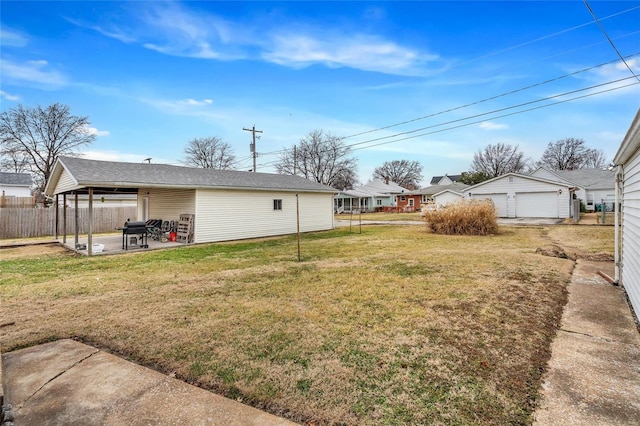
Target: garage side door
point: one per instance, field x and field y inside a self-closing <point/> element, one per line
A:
<point x="499" y="201"/>
<point x="537" y="204"/>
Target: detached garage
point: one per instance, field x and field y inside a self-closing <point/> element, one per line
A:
<point x="224" y="204"/>
<point x="516" y="195"/>
<point x="628" y="188"/>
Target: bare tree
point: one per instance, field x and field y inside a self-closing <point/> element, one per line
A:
<point x="571" y="153"/>
<point x="496" y="160"/>
<point x="209" y="153"/>
<point x="38" y="136"/>
<point x="320" y="157"/>
<point x="12" y="160"/>
<point x="405" y="173"/>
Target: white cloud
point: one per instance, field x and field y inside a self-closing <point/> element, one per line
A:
<point x="94" y="131"/>
<point x="488" y="125"/>
<point x="8" y="97"/>
<point x="122" y="156"/>
<point x="32" y="72"/>
<point x="195" y="102"/>
<point x="173" y="29"/>
<point x="189" y="107"/>
<point x="13" y="39"/>
<point x="363" y="52"/>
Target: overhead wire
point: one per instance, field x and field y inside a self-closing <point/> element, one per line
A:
<point x="595" y="18"/>
<point x="505" y="115"/>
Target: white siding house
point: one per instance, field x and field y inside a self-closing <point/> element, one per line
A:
<point x="628" y="161"/>
<point x="447" y="196"/>
<point x="227" y="205"/>
<point x="593" y="186"/>
<point x="15" y="184"/>
<point x="516" y="195"/>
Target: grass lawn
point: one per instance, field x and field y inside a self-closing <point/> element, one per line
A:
<point x="391" y="326"/>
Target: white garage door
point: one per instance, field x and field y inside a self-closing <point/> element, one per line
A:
<point x="499" y="201"/>
<point x="537" y="204"/>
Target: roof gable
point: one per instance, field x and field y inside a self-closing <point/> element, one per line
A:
<point x="436" y="179"/>
<point x="109" y="174"/>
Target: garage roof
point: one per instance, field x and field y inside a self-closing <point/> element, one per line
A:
<point x="119" y="175"/>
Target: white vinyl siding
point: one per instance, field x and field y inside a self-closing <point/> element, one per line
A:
<point x="505" y="190"/>
<point x="65" y="183"/>
<point x="500" y="201"/>
<point x="537" y="204"/>
<point x="631" y="231"/>
<point x="447" y="197"/>
<point x="167" y="204"/>
<point x="224" y="215"/>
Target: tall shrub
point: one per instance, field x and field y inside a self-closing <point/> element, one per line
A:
<point x="472" y="217"/>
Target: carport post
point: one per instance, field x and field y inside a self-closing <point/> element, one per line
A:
<point x="57" y="218"/>
<point x="76" y="215"/>
<point x="90" y="236"/>
<point x="64" y="218"/>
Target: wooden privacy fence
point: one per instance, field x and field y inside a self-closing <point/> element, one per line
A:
<point x="26" y="223"/>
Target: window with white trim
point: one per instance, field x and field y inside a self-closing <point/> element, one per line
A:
<point x="277" y="204"/>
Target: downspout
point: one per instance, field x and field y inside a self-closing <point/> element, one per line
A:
<point x="616" y="216"/>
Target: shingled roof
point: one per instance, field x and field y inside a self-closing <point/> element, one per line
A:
<point x="589" y="178"/>
<point x="110" y="174"/>
<point x="17" y="179"/>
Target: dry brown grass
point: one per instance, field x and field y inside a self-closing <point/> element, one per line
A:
<point x="466" y="217"/>
<point x="394" y="325"/>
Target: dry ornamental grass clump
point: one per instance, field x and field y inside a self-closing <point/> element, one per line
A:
<point x="473" y="217"/>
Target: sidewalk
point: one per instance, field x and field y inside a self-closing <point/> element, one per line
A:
<point x="69" y="383"/>
<point x="593" y="377"/>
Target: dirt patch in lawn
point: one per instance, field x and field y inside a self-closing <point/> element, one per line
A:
<point x="394" y="325"/>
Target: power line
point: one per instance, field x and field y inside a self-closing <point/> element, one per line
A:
<point x="484" y="114"/>
<point x="551" y="80"/>
<point x="595" y="18"/>
<point x="504" y="115"/>
<point x="492" y="112"/>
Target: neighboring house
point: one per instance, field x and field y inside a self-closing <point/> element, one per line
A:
<point x="426" y="194"/>
<point x="445" y="180"/>
<point x="227" y="205"/>
<point x="374" y="195"/>
<point x="448" y="196"/>
<point x="593" y="186"/>
<point x="15" y="184"/>
<point x="628" y="263"/>
<point x="516" y="195"/>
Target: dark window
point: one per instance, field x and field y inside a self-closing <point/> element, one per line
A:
<point x="277" y="204"/>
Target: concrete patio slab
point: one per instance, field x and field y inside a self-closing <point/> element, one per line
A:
<point x="67" y="382"/>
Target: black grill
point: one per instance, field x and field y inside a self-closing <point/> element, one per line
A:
<point x="134" y="228"/>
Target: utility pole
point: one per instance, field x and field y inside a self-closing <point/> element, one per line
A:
<point x="254" y="154"/>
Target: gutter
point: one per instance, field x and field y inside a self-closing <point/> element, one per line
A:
<point x="616" y="220"/>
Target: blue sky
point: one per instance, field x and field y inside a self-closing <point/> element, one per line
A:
<point x="151" y="75"/>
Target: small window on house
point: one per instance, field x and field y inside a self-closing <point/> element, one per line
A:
<point x="378" y="202"/>
<point x="403" y="198"/>
<point x="410" y="202"/>
<point x="277" y="204"/>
